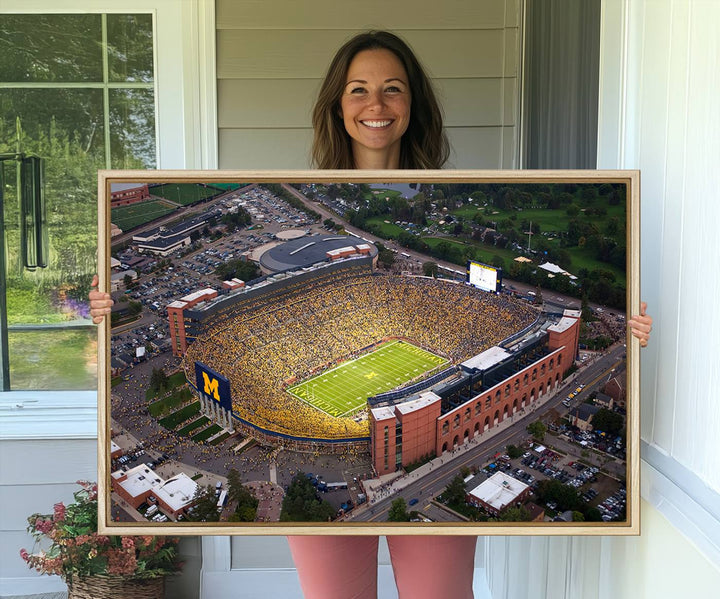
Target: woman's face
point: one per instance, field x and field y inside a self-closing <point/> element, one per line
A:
<point x="375" y="108"/>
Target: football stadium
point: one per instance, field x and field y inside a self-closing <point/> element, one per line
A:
<point x="311" y="354"/>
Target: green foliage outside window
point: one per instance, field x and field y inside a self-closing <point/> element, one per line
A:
<point x="76" y="90"/>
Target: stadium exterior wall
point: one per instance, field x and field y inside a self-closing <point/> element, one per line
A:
<point x="513" y="395"/>
<point x="509" y="397"/>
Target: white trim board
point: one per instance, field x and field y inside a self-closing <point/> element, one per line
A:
<point x="680" y="495"/>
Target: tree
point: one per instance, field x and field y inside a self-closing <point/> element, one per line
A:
<point x="430" y="269"/>
<point x="513" y="451"/>
<point x="301" y="503"/>
<point x="239" y="494"/>
<point x="454" y="493"/>
<point x="240" y="269"/>
<point x="398" y="511"/>
<point x="538" y="296"/>
<point x="205" y="506"/>
<point x="386" y="258"/>
<point x="565" y="496"/>
<point x="537" y="429"/>
<point x="497" y="261"/>
<point x="236" y="220"/>
<point x="134" y="308"/>
<point x="158" y="379"/>
<point x="608" y="421"/>
<point x="515" y="514"/>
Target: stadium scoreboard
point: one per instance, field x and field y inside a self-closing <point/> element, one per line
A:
<point x="483" y="276"/>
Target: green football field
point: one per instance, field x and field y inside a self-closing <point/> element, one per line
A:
<point x="184" y="193"/>
<point x="134" y="215"/>
<point x="345" y="389"/>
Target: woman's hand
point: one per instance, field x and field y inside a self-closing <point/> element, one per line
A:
<point x="100" y="303"/>
<point x="641" y="325"/>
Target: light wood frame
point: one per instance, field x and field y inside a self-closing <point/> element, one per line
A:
<point x="631" y="526"/>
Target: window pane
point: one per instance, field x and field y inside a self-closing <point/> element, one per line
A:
<point x="65" y="128"/>
<point x="130" y="47"/>
<point x="38" y="48"/>
<point x="52" y="344"/>
<point x="51" y="118"/>
<point x="55" y="359"/>
<point x="132" y="128"/>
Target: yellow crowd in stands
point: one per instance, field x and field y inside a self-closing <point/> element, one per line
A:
<point x="306" y="329"/>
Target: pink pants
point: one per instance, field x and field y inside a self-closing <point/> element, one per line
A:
<point x="345" y="567"/>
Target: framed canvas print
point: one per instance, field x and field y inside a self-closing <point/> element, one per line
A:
<point x="360" y="352"/>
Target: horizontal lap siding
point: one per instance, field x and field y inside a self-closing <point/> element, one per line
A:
<point x="271" y="58"/>
<point x="36" y="475"/>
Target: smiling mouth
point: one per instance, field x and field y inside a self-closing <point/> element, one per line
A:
<point x="376" y="124"/>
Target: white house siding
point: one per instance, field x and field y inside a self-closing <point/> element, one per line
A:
<point x="271" y="57"/>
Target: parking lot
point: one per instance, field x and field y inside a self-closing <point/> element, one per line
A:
<point x="540" y="463"/>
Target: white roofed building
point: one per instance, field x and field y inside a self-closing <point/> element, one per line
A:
<point x="497" y="493"/>
<point x="137" y="485"/>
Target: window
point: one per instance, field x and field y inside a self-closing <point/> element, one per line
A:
<point x="78" y="91"/>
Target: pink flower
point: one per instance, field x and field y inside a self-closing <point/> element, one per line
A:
<point x="59" y="512"/>
<point x="121" y="562"/>
<point x="24" y="555"/>
<point x="128" y="543"/>
<point x="44" y="526"/>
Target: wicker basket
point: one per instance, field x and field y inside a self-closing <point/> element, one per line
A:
<point x="116" y="587"/>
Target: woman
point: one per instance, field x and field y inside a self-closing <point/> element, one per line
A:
<point x="377" y="110"/>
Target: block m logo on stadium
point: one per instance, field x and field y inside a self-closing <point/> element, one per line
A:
<point x="213" y="385"/>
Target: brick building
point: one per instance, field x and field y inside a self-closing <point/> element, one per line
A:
<point x="500" y="382"/>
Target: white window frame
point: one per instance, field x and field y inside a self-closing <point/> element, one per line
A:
<point x="186" y="133"/>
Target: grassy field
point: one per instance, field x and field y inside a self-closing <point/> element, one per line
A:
<point x="188" y="428"/>
<point x="481" y="252"/>
<point x="175" y="380"/>
<point x="344" y="390"/>
<point x="207" y="433"/>
<point x="167" y="404"/>
<point x="389" y="230"/>
<point x="184" y="193"/>
<point x="129" y="217"/>
<point x="384" y="193"/>
<point x="181" y="415"/>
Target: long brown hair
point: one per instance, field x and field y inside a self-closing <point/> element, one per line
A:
<point x="424" y="144"/>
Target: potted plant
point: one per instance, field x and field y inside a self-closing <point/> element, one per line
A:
<point x="96" y="566"/>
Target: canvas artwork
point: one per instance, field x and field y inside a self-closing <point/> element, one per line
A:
<point x="334" y="352"/>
